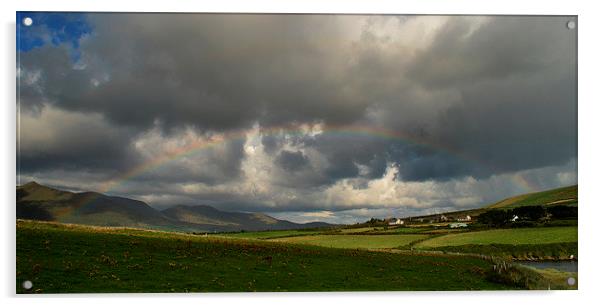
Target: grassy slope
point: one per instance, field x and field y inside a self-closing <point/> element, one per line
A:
<point x="516" y="236"/>
<point x="546" y="251"/>
<point x="565" y="195"/>
<point x="37" y="192"/>
<point x="355" y="241"/>
<point x="61" y="258"/>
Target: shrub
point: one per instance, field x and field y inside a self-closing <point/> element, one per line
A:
<point x="563" y="212"/>
<point x="532" y="213"/>
<point x="494" y="217"/>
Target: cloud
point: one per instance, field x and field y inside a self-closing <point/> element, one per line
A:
<point x="292" y="161"/>
<point x="52" y="138"/>
<point x="465" y="51"/>
<point x="187" y="155"/>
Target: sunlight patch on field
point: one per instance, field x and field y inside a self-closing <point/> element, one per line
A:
<point x="355" y="241"/>
<point x="268" y="234"/>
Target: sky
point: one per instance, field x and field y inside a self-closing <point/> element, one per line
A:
<point x="335" y="118"/>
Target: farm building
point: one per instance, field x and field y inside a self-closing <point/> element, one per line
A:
<point x="457" y="225"/>
<point x="442" y="218"/>
<point x="464" y="219"/>
<point x="395" y="221"/>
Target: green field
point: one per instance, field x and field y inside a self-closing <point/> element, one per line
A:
<point x="268" y="234"/>
<point x="359" y="230"/>
<point x="407" y="230"/>
<point x="68" y="258"/>
<point x="389" y="230"/>
<point x="516" y="236"/>
<point x="355" y="241"/>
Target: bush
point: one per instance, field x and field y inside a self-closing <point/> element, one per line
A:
<point x="563" y="212"/>
<point x="532" y="213"/>
<point x="528" y="216"/>
<point x="495" y="217"/>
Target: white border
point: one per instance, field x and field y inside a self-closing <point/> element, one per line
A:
<point x="315" y="6"/>
<point x="589" y="146"/>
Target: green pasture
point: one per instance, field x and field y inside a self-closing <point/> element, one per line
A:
<point x="355" y="241"/>
<point x="514" y="236"/>
<point x="79" y="259"/>
<point x="268" y="234"/>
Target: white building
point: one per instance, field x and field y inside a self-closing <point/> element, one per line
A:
<point x="395" y="221"/>
<point x="466" y="218"/>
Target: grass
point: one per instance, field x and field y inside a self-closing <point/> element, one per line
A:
<point x="547" y="251"/>
<point x="448" y="230"/>
<point x="355" y="241"/>
<point x="269" y="234"/>
<point x="516" y="236"/>
<point x="531" y="278"/>
<point x="359" y="230"/>
<point x="401" y="230"/>
<point x="555" y="279"/>
<point x="68" y="258"/>
<point x="346" y="231"/>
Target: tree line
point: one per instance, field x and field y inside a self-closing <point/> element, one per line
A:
<point x="527" y="215"/>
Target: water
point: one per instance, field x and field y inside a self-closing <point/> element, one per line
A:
<point x="565" y="266"/>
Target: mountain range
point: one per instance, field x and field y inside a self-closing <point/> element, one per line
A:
<point x="38" y="202"/>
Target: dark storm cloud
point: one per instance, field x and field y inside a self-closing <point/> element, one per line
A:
<point x="292" y="161"/>
<point x="54" y="139"/>
<point x="508" y="47"/>
<point x="516" y="77"/>
<point x="340" y="157"/>
<point x="211" y="166"/>
<point x="530" y="124"/>
<point x="224" y="71"/>
<point x="502" y="97"/>
<point x="346" y="152"/>
<point x="417" y="167"/>
<point x="270" y="143"/>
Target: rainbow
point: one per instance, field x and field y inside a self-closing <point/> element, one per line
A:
<point x="348" y="130"/>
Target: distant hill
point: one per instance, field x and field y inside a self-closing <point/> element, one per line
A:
<point x="208" y="215"/>
<point x="38" y="202"/>
<point x="565" y="196"/>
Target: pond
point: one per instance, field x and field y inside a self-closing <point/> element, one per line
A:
<point x="564" y="265"/>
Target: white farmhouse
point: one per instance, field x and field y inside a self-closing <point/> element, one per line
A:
<point x="464" y="219"/>
<point x="395" y="221"/>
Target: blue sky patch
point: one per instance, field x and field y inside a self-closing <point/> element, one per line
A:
<point x="54" y="28"/>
